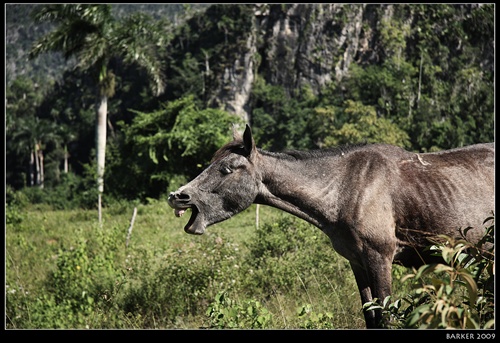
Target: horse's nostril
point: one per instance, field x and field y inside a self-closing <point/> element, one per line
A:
<point x="183" y="196"/>
<point x="179" y="196"/>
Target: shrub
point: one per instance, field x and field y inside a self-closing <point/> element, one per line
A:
<point x="182" y="286"/>
<point x="291" y="264"/>
<point x="312" y="320"/>
<point x="224" y="313"/>
<point x="77" y="292"/>
<point x="71" y="192"/>
<point x="13" y="215"/>
<point x="458" y="294"/>
<point x="290" y="250"/>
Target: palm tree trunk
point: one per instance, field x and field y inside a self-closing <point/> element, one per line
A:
<point x="37" y="165"/>
<point x="66" y="156"/>
<point x="42" y="172"/>
<point x="102" y="112"/>
<point x="32" y="168"/>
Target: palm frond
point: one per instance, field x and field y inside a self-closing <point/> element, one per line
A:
<point x="89" y="33"/>
<point x="55" y="13"/>
<point x="96" y="51"/>
<point x="137" y="41"/>
<point x="80" y="32"/>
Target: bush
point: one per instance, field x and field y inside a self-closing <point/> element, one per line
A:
<point x="458" y="294"/>
<point x="184" y="283"/>
<point x="85" y="278"/>
<point x="312" y="320"/>
<point x="72" y="192"/>
<point x="225" y="313"/>
<point x="15" y="202"/>
<point x="290" y="250"/>
<point x="293" y="270"/>
<point x="13" y="215"/>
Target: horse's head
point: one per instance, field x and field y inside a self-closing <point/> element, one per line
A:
<point x="226" y="187"/>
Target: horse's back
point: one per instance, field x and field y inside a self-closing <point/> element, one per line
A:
<point x="445" y="191"/>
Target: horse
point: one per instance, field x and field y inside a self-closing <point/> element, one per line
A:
<point x="377" y="203"/>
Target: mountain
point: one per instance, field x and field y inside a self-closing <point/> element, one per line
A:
<point x="21" y="32"/>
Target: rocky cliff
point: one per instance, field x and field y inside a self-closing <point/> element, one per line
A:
<point x="299" y="45"/>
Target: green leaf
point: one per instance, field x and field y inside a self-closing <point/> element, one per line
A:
<point x="152" y="155"/>
<point x="471" y="287"/>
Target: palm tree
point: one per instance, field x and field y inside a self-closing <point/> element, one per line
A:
<point x="22" y="129"/>
<point x="91" y="35"/>
<point x="31" y="138"/>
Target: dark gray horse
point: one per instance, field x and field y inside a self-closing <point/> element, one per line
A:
<point x="377" y="203"/>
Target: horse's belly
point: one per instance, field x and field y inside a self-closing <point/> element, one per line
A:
<point x="414" y="257"/>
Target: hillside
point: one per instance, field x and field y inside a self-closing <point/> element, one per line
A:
<point x="21" y="32"/>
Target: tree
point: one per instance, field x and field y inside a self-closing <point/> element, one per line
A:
<point x="31" y="139"/>
<point x="363" y="125"/>
<point x="168" y="146"/>
<point x="24" y="130"/>
<point x="90" y="34"/>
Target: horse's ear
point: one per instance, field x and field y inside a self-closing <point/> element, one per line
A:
<point x="248" y="141"/>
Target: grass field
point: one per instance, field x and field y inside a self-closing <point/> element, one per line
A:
<point x="36" y="244"/>
<point x="64" y="270"/>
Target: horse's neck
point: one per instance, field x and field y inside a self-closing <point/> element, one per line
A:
<point x="299" y="187"/>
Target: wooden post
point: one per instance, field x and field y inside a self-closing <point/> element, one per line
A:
<point x="129" y="231"/>
<point x="99" y="210"/>
<point x="257" y="216"/>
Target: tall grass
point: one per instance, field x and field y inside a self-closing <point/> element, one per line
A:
<point x="65" y="271"/>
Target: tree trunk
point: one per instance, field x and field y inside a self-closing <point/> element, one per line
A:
<point x="32" y="168"/>
<point x="420" y="76"/>
<point x="37" y="166"/>
<point x="101" y="124"/>
<point x="66" y="156"/>
<point x="41" y="173"/>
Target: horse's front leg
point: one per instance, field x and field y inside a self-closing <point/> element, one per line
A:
<point x="374" y="281"/>
<point x="363" y="282"/>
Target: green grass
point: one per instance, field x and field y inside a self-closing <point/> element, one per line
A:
<point x="65" y="271"/>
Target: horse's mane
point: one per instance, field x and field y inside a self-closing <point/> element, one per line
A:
<point x="311" y="154"/>
<point x="237" y="146"/>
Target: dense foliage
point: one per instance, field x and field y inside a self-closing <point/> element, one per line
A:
<point x="429" y="87"/>
<point x="458" y="293"/>
<point x="161" y="149"/>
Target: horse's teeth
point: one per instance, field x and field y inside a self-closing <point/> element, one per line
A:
<point x="179" y="213"/>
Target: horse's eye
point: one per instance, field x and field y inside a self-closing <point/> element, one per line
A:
<point x="225" y="170"/>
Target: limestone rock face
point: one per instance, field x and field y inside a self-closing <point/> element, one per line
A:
<point x="312" y="44"/>
<point x="296" y="45"/>
<point x="237" y="82"/>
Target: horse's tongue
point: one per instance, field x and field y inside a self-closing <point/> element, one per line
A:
<point x="179" y="212"/>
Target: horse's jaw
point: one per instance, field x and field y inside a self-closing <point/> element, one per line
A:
<point x="196" y="224"/>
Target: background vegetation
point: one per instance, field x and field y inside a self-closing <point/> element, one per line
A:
<point x="426" y="83"/>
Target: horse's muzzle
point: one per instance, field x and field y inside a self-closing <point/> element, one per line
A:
<point x="179" y="200"/>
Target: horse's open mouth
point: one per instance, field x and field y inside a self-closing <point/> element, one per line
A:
<point x="189" y="228"/>
<point x="179" y="211"/>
